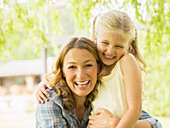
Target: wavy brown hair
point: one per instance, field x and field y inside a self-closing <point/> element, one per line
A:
<point x="58" y="82"/>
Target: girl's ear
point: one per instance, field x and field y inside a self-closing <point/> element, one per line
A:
<point x="128" y="45"/>
<point x="95" y="40"/>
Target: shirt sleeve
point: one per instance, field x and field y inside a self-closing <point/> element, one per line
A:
<point x="49" y="115"/>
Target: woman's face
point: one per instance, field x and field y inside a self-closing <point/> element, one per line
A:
<point x="80" y="71"/>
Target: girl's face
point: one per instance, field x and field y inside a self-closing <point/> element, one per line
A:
<point x="80" y="71"/>
<point x="111" y="46"/>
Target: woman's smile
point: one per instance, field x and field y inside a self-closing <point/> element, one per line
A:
<point x="82" y="84"/>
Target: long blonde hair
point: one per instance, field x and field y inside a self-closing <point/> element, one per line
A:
<point x="117" y="20"/>
<point x="57" y="80"/>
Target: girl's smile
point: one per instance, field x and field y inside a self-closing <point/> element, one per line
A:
<point x="109" y="57"/>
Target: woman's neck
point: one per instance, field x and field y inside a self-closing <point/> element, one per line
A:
<point x="80" y="108"/>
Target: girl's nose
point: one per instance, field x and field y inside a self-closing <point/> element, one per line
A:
<point x="110" y="50"/>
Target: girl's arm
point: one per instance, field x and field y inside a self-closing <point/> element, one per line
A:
<point x="105" y="119"/>
<point x="49" y="115"/>
<point x="41" y="92"/>
<point x="133" y="84"/>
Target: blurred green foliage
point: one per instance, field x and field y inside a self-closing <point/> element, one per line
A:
<point x="35" y="24"/>
<point x="30" y="24"/>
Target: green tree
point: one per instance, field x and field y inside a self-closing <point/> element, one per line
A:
<point x="33" y="24"/>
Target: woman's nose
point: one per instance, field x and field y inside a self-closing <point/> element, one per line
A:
<point x="80" y="73"/>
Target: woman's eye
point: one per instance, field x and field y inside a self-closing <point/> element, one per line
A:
<point x="70" y="67"/>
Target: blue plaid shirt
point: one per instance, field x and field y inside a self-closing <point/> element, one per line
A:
<point x="52" y="114"/>
<point x="153" y="121"/>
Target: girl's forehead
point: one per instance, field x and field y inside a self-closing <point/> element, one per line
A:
<point x="104" y="32"/>
<point x="116" y="35"/>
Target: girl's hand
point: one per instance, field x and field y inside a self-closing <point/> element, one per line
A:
<point x="103" y="119"/>
<point x="41" y="92"/>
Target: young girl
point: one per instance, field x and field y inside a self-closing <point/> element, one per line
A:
<point x="121" y="92"/>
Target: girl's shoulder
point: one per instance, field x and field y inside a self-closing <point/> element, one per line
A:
<point x="128" y="61"/>
<point x="127" y="57"/>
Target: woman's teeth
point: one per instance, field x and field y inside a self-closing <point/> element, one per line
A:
<point x="82" y="84"/>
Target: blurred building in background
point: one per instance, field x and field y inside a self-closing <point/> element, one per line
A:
<point x="20" y="76"/>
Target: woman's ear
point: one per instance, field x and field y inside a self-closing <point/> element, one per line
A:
<point x="63" y="74"/>
<point x="98" y="67"/>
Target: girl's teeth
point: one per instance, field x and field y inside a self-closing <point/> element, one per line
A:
<point x="108" y="57"/>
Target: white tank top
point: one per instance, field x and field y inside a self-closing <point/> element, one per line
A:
<point x="112" y="94"/>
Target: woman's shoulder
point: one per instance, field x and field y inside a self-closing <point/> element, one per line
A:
<point x="53" y="95"/>
<point x="51" y="92"/>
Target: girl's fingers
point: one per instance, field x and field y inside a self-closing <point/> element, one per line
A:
<point x="40" y="100"/>
<point x="44" y="91"/>
<point x="91" y="126"/>
<point x="42" y="96"/>
<point x="91" y="117"/>
<point x="41" y="84"/>
<point x="103" y="110"/>
<point x="45" y="85"/>
<point x="99" y="111"/>
<point x="91" y="123"/>
<point x="48" y="86"/>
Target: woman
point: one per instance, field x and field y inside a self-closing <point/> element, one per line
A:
<point x="76" y="74"/>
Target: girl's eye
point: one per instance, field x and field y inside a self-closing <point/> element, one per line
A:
<point x="118" y="46"/>
<point x="105" y="43"/>
<point x="89" y="65"/>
